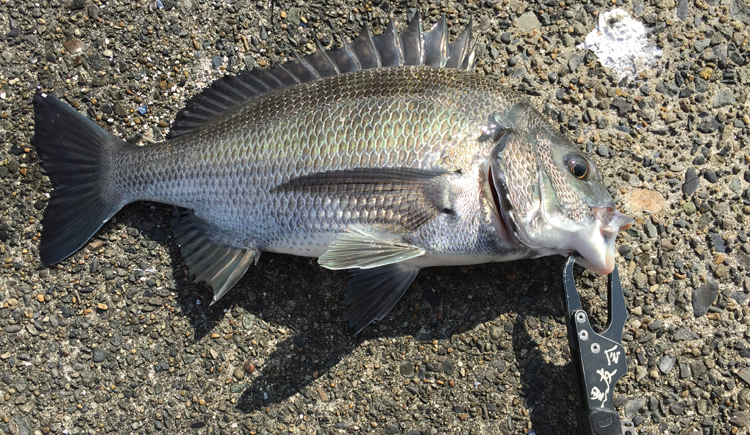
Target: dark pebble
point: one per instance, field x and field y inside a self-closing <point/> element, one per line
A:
<point x="448" y="367"/>
<point x="574" y="62"/>
<point x="709" y="125"/>
<point x="703" y="297"/>
<point x="677" y="408"/>
<point x="12" y="329"/>
<point x="97" y="355"/>
<point x="217" y="61"/>
<point x="505" y="38"/>
<point x="93" y="11"/>
<point x="710" y="176"/>
<point x="717" y="242"/>
<point x="406" y="368"/>
<point x="691" y="182"/>
<point x="685" y="334"/>
<point x="622" y="106"/>
<point x="602" y="150"/>
<point x="263" y="33"/>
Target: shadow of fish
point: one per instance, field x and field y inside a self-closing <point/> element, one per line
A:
<point x="384" y="156"/>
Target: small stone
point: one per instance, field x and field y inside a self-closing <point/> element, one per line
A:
<point x="120" y="110"/>
<point x="97" y="355"/>
<point x="448" y="367"/>
<point x="685" y="334"/>
<point x="698" y="368"/>
<point x="74" y="46"/>
<point x="724" y="98"/>
<point x="691" y="183"/>
<point x="602" y="150"/>
<point x="710" y="176"/>
<point x="666" y="363"/>
<point x="102" y="306"/>
<point x="689" y="208"/>
<point x="217" y="62"/>
<point x="703" y="297"/>
<point x="239" y="373"/>
<point x="496" y="332"/>
<point x="677" y="408"/>
<point x="93" y="11"/>
<point x="573" y="62"/>
<point x="249" y="367"/>
<point x="406" y="369"/>
<point x="640" y="373"/>
<point x="633" y="406"/>
<point x="622" y="106"/>
<point x="641" y="200"/>
<point x="740" y="419"/>
<point x="528" y="22"/>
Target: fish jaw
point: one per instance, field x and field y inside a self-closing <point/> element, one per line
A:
<point x="597" y="245"/>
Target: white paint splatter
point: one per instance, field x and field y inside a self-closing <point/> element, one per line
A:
<point x="620" y="43"/>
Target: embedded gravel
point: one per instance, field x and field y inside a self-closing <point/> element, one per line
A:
<point x="116" y="340"/>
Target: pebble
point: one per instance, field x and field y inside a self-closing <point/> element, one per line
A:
<point x="573" y="62"/>
<point x="98" y="355"/>
<point x="724" y="98"/>
<point x="640" y="200"/>
<point x="496" y="332"/>
<point x="528" y="22"/>
<point x="703" y="297"/>
<point x="666" y="363"/>
<point x="710" y="176"/>
<point x="633" y="406"/>
<point x="406" y="369"/>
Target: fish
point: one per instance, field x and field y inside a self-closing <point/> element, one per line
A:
<point x="382" y="157"/>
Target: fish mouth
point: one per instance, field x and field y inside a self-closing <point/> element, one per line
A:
<point x="598" y="250"/>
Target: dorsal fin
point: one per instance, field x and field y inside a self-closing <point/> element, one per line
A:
<point x="413" y="47"/>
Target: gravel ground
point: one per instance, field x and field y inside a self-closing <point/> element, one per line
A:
<point x="116" y="340"/>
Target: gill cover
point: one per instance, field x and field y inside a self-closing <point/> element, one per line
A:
<point x="550" y="194"/>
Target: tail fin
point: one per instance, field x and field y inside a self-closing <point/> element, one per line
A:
<point x="71" y="147"/>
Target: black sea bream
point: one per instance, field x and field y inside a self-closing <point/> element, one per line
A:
<point x="382" y="157"/>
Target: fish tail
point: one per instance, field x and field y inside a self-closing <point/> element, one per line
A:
<point x="72" y="149"/>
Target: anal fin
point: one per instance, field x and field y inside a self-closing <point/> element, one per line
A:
<point x="218" y="265"/>
<point x="357" y="249"/>
<point x="372" y="293"/>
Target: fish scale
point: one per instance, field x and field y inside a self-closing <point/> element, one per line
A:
<point x="199" y="173"/>
<point x="382" y="157"/>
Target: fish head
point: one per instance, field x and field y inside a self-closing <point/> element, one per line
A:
<point x="551" y="197"/>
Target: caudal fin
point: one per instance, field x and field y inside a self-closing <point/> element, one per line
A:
<point x="71" y="148"/>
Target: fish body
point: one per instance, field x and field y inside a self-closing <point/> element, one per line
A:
<point x="383" y="157"/>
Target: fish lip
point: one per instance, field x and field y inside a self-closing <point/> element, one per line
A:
<point x="610" y="222"/>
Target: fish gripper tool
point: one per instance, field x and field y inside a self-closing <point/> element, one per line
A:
<point x="599" y="359"/>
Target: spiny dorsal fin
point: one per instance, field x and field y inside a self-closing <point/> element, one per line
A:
<point x="413" y="47"/>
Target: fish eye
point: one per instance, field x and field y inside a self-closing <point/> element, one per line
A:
<point x="577" y="166"/>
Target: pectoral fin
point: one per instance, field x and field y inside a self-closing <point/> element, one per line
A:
<point x="403" y="197"/>
<point x="357" y="249"/>
<point x="372" y="293"/>
<point x="219" y="266"/>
